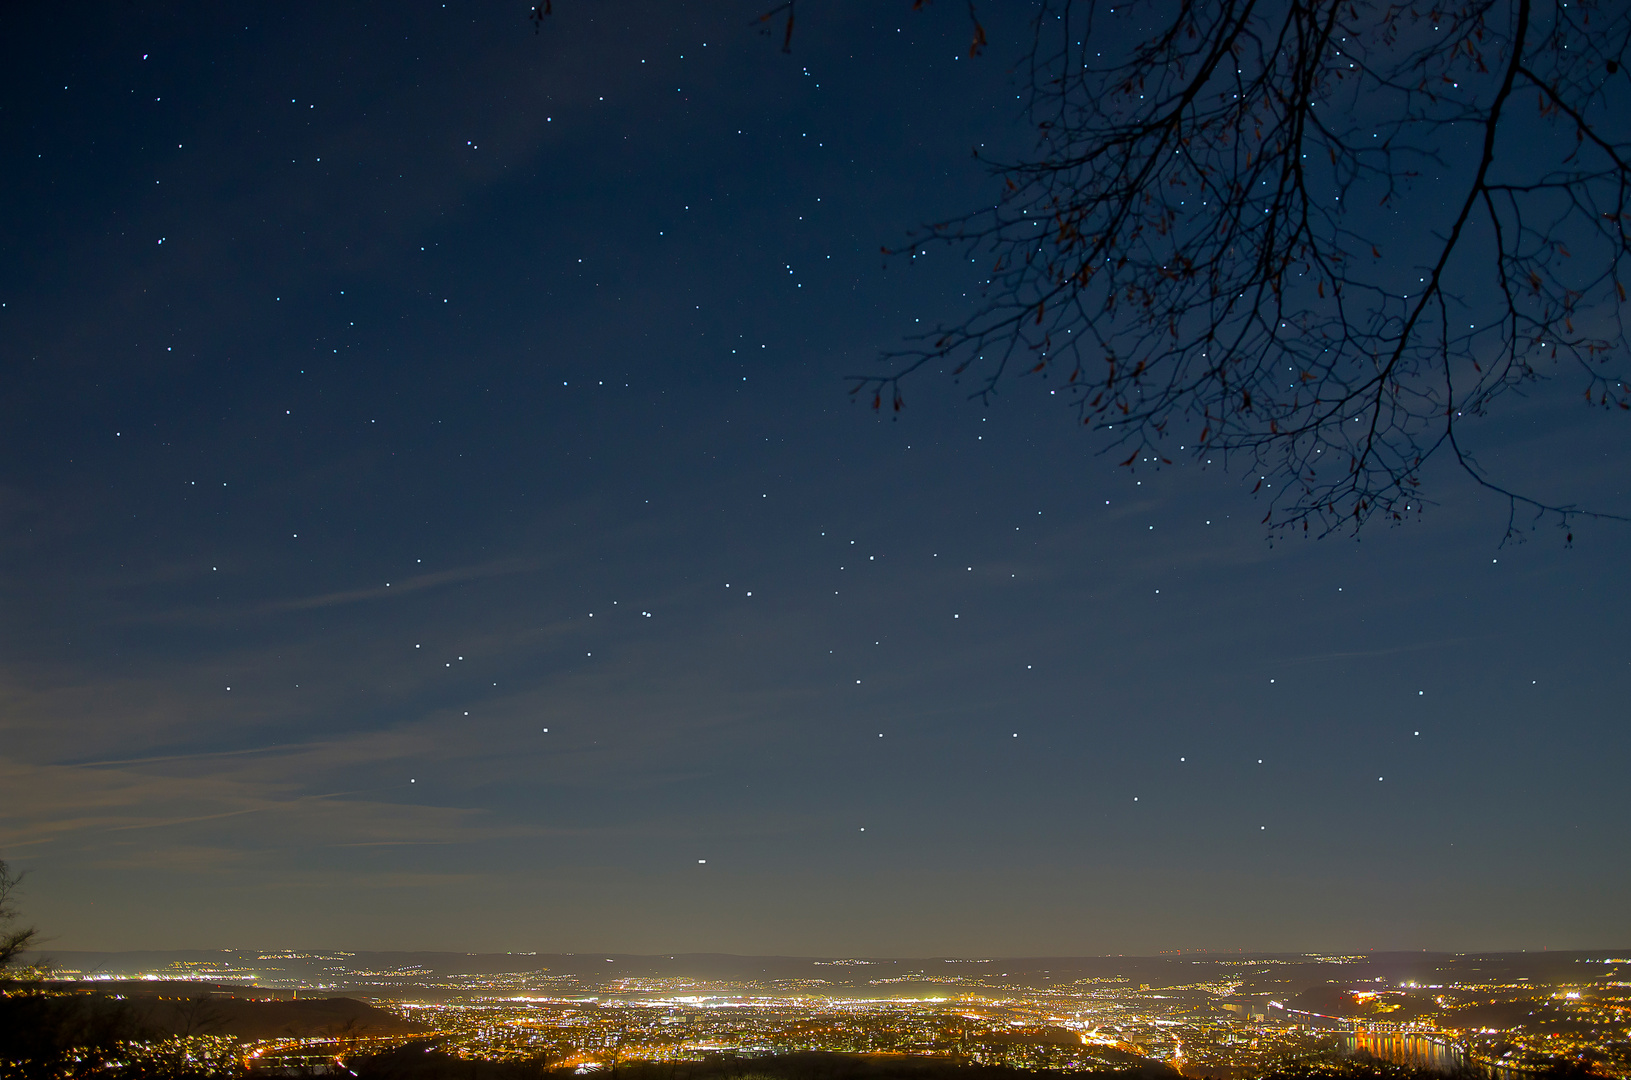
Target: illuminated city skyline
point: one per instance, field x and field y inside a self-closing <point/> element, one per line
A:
<point x="1244" y="1016"/>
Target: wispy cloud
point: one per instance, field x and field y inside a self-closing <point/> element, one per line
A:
<point x="498" y="568"/>
<point x="198" y="756"/>
<point x="59" y="803"/>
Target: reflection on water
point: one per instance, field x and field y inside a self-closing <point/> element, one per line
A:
<point x="1425" y="1052"/>
<point x="1418" y="1051"/>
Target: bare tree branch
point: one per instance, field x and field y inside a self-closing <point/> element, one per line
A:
<point x="1194" y="251"/>
<point x="13" y="940"/>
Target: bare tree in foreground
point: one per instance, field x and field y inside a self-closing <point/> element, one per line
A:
<point x="1308" y="237"/>
<point x="14" y="940"/>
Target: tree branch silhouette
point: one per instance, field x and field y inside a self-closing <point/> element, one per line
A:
<point x="1194" y="248"/>
<point x="14" y="940"/>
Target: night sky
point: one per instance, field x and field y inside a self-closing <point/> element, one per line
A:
<point x="433" y="517"/>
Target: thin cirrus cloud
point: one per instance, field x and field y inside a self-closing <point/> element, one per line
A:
<point x="498" y="568"/>
<point x="196" y="756"/>
<point x="82" y="806"/>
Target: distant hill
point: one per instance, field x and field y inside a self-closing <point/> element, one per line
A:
<point x="185" y="1008"/>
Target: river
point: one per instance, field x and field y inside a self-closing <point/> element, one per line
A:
<point x="1425" y="1052"/>
<point x="1418" y="1051"/>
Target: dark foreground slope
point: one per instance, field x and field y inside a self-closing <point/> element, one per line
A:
<point x="50" y="1034"/>
<point x="76" y="1014"/>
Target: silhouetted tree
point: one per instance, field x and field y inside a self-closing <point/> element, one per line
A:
<point x="197" y="1015"/>
<point x="46" y="1034"/>
<point x="1309" y="237"/>
<point x="14" y="939"/>
<point x="423" y="1061"/>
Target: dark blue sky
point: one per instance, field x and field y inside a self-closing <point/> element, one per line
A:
<point x="433" y="517"/>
